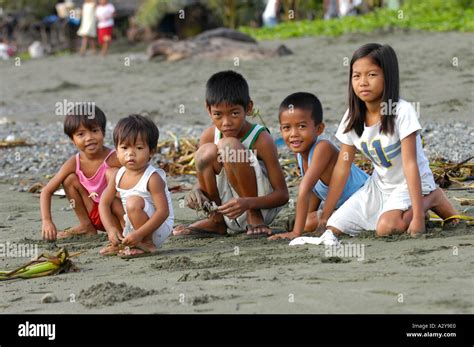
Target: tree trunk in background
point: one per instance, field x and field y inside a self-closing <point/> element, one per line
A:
<point x="230" y="13"/>
<point x="289" y="5"/>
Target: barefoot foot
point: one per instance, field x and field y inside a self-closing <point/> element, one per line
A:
<point x="110" y="250"/>
<point x="256" y="225"/>
<point x="80" y="230"/>
<point x="203" y="226"/>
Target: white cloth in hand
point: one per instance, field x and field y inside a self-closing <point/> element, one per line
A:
<point x="327" y="239"/>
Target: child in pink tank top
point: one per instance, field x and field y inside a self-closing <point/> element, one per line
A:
<point x="84" y="175"/>
<point x="96" y="184"/>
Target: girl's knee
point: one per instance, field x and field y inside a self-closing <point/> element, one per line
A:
<point x="388" y="226"/>
<point x="71" y="180"/>
<point x="134" y="204"/>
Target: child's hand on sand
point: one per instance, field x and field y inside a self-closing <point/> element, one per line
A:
<point x="289" y="236"/>
<point x="132" y="239"/>
<point x="195" y="199"/>
<point x="115" y="237"/>
<point x="416" y="227"/>
<point x="234" y="208"/>
<point x="49" y="231"/>
<point x="322" y="221"/>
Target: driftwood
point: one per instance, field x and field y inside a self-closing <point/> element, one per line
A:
<point x="219" y="43"/>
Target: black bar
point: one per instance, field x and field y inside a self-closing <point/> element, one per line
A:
<point x="241" y="329"/>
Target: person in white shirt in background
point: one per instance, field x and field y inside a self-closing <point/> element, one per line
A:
<point x="87" y="30"/>
<point x="340" y="8"/>
<point x="105" y="13"/>
<point x="270" y="14"/>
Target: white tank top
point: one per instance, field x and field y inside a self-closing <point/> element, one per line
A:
<point x="248" y="139"/>
<point x="141" y="189"/>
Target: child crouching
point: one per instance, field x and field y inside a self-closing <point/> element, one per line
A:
<point x="143" y="191"/>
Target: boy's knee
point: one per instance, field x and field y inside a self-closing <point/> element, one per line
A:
<point x="388" y="226"/>
<point x="206" y="155"/>
<point x="229" y="143"/>
<point x="311" y="221"/>
<point x="135" y="204"/>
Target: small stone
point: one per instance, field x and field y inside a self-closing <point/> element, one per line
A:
<point x="49" y="298"/>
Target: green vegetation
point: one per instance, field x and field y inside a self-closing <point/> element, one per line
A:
<point x="38" y="8"/>
<point x="430" y="15"/>
<point x="231" y="13"/>
<point x="151" y="11"/>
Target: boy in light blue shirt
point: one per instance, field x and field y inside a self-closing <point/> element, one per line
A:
<point x="301" y="123"/>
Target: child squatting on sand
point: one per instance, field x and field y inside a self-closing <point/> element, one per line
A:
<point x="386" y="129"/>
<point x="148" y="212"/>
<point x="249" y="189"/>
<point x="83" y="176"/>
<point x="301" y="124"/>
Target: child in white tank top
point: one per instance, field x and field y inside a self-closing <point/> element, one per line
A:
<point x="148" y="219"/>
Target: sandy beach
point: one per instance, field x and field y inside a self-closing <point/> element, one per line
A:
<point x="240" y="274"/>
<point x="236" y="274"/>
<point x="318" y="65"/>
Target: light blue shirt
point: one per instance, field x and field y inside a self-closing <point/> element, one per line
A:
<point x="356" y="179"/>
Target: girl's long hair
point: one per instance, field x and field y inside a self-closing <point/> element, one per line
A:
<point x="384" y="56"/>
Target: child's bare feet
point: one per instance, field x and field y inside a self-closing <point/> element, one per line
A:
<point x="110" y="250"/>
<point x="80" y="230"/>
<point x="442" y="206"/>
<point x="205" y="226"/>
<point x="255" y="224"/>
<point x="451" y="223"/>
<point x="142" y="249"/>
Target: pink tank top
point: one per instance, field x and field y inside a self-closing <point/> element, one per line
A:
<point x="96" y="184"/>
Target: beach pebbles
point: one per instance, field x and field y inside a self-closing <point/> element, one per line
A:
<point x="51" y="148"/>
<point x="49" y="298"/>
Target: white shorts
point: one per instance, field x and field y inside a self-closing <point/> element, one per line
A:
<point x="227" y="193"/>
<point x="364" y="208"/>
<point x="159" y="235"/>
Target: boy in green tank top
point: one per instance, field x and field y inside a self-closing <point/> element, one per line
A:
<point x="237" y="165"/>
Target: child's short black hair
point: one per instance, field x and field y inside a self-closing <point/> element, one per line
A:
<point x="87" y="114"/>
<point x="304" y="101"/>
<point x="128" y="130"/>
<point x="227" y="87"/>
